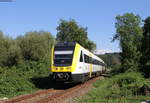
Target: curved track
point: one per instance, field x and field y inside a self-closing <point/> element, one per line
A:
<point x="55" y="95"/>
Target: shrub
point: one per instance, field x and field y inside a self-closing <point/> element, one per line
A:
<point x="17" y="80"/>
<point x="122" y="88"/>
<point x="115" y="69"/>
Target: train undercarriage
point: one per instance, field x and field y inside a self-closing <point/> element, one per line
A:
<point x="69" y="77"/>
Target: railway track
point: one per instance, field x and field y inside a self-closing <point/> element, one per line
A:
<point x="54" y="95"/>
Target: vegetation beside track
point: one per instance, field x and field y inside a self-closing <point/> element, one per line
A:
<point x="121" y="88"/>
<point x="130" y="80"/>
<point x="24" y="63"/>
<point x="25" y="78"/>
<point x="24" y="60"/>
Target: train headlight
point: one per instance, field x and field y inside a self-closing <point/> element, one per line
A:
<point x="61" y="68"/>
<point x="68" y="68"/>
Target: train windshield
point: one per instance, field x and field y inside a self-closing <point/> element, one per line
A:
<point x="63" y="55"/>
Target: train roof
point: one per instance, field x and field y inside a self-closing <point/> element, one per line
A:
<point x="65" y="44"/>
<point x="93" y="55"/>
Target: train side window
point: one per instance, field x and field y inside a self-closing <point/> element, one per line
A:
<point x="88" y="59"/>
<point x="81" y="57"/>
<point x="85" y="58"/>
<point x="91" y="60"/>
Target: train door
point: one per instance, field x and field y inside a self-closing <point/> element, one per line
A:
<point x="81" y="62"/>
<point x="88" y="66"/>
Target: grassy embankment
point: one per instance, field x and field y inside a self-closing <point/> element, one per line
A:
<point x="121" y="88"/>
<point x="24" y="78"/>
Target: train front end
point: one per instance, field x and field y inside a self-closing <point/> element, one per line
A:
<point x="61" y="61"/>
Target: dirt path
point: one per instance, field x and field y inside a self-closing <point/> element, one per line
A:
<point x="55" y="95"/>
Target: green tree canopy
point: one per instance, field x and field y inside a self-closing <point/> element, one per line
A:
<point x="9" y="51"/>
<point x="70" y="31"/>
<point x="129" y="34"/>
<point x="145" y="49"/>
<point x="35" y="45"/>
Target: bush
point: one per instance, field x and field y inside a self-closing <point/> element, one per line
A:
<point x="122" y="88"/>
<point x="146" y="70"/>
<point x="115" y="69"/>
<point x="128" y="79"/>
<point x="22" y="60"/>
<point x="18" y="79"/>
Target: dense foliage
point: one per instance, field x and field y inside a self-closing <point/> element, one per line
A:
<point x="129" y="34"/>
<point x="25" y="60"/>
<point x="9" y="51"/>
<point x="35" y="45"/>
<point x="134" y="43"/>
<point x="145" y="48"/>
<point x="32" y="46"/>
<point x="24" y="78"/>
<point x="111" y="59"/>
<point x="127" y="83"/>
<point x="122" y="88"/>
<point x="24" y="63"/>
<point x="70" y="31"/>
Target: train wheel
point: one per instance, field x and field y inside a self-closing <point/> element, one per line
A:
<point x="84" y="78"/>
<point x="97" y="74"/>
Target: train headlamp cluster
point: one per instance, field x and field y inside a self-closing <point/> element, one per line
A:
<point x="61" y="68"/>
<point x="68" y="68"/>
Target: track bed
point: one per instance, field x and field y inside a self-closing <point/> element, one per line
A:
<point x="60" y="94"/>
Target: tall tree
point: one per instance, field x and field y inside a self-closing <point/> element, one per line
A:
<point x="129" y="34"/>
<point x="9" y="51"/>
<point x="70" y="31"/>
<point x="35" y="45"/>
<point x="145" y="49"/>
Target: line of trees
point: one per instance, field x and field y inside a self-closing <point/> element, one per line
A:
<point x="134" y="43"/>
<point x="25" y="60"/>
<point x="31" y="46"/>
<point x="36" y="45"/>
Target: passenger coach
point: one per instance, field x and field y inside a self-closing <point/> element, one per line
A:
<point x="72" y="62"/>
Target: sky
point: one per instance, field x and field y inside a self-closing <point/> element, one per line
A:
<point x="21" y="16"/>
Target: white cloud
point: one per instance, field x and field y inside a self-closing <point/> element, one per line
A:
<point x="102" y="51"/>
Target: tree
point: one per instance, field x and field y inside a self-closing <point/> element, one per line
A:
<point x="145" y="48"/>
<point x="129" y="34"/>
<point x="35" y="45"/>
<point x="70" y="31"/>
<point x="9" y="51"/>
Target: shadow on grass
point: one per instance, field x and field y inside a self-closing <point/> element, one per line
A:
<point x="47" y="83"/>
<point x="42" y="82"/>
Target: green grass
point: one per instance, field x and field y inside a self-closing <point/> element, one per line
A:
<point x="24" y="78"/>
<point x="122" y="88"/>
<point x="32" y="76"/>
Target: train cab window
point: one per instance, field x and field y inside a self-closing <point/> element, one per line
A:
<point x="63" y="55"/>
<point x="81" y="57"/>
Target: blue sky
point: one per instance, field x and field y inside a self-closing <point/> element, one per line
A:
<point x="21" y="16"/>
